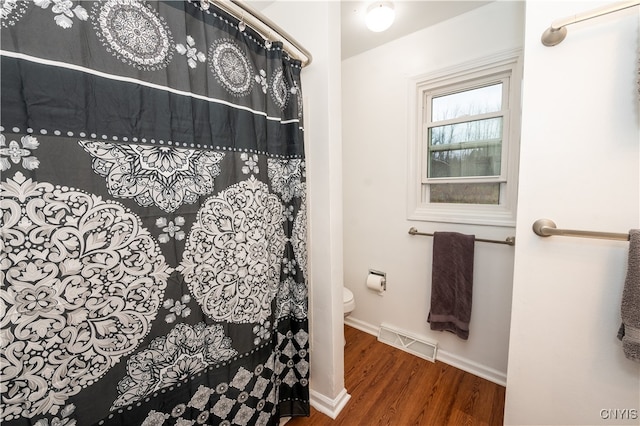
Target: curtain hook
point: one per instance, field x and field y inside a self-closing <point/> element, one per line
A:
<point x="267" y="41"/>
<point x="242" y="25"/>
<point x="204" y="4"/>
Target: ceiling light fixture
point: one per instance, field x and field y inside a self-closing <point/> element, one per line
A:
<point x="380" y="16"/>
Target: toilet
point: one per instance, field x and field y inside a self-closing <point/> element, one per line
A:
<point x="349" y="303"/>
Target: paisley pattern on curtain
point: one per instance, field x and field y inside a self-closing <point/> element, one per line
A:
<point x="153" y="218"/>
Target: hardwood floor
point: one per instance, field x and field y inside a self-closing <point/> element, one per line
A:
<point x="392" y="387"/>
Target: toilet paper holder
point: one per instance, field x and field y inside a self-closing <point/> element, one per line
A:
<point x="384" y="278"/>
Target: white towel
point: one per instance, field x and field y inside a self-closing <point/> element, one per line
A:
<point x="629" y="331"/>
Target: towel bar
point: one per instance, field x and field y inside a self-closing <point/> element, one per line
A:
<point x="510" y="241"/>
<point x="547" y="228"/>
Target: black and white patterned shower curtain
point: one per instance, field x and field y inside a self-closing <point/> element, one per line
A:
<point x="153" y="222"/>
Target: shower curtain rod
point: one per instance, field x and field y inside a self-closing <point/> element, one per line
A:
<point x="268" y="29"/>
<point x="547" y="228"/>
<point x="510" y="241"/>
<point x="558" y="29"/>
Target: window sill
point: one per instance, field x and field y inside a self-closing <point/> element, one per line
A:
<point x="467" y="214"/>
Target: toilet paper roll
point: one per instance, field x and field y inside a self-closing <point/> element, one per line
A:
<point x="375" y="282"/>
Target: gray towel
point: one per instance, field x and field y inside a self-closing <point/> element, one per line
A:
<point x="629" y="331"/>
<point x="452" y="283"/>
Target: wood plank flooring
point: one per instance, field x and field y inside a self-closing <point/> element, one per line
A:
<point x="391" y="387"/>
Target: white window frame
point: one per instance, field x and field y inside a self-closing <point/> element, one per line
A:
<point x="505" y="67"/>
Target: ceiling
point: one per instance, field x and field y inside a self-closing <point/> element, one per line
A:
<point x="411" y="16"/>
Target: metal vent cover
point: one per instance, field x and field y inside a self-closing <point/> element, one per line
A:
<point x="408" y="343"/>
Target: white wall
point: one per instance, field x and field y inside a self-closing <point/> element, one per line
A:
<point x="316" y="25"/>
<point x="579" y="167"/>
<point x="375" y="105"/>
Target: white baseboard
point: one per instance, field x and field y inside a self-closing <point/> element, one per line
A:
<point x="361" y="325"/>
<point x="472" y="367"/>
<point x="328" y="406"/>
<point x="462" y="363"/>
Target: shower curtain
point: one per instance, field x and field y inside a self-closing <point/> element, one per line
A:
<point x="153" y="222"/>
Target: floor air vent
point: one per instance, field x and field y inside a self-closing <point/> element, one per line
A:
<point x="402" y="340"/>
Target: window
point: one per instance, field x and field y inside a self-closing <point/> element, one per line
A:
<point x="463" y="160"/>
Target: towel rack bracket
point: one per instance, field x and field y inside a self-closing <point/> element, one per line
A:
<point x="540" y="227"/>
<point x="552" y="36"/>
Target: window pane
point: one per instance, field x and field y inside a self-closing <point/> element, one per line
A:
<point x="469" y="131"/>
<point x="470" y="102"/>
<point x="473" y="148"/>
<point x="465" y="193"/>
